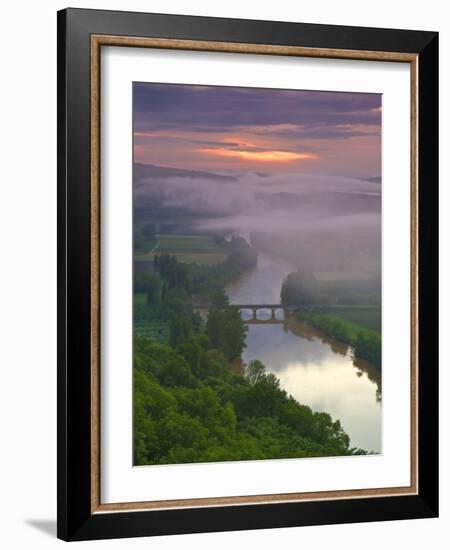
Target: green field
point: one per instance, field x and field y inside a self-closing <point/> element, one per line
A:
<point x="144" y="325"/>
<point x="187" y="248"/>
<point x="153" y="329"/>
<point x="368" y="317"/>
<point x="140" y="299"/>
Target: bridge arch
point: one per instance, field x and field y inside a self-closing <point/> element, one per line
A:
<point x="272" y="309"/>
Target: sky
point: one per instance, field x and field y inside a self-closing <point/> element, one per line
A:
<point x="268" y="131"/>
<point x="299" y="168"/>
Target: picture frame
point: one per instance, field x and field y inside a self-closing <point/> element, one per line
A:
<point x="81" y="36"/>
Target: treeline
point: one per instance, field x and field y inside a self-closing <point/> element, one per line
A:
<point x="366" y="343"/>
<point x="189" y="406"/>
<point x="300" y="288"/>
<point x="195" y="279"/>
<point x="303" y="288"/>
<point x="169" y="297"/>
<point x="224" y="329"/>
<point x="173" y="284"/>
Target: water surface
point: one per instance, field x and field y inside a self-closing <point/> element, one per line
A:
<point x="314" y="369"/>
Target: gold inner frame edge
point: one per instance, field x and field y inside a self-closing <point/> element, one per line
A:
<point x="97" y="41"/>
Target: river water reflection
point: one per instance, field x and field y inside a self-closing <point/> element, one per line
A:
<point x="317" y="371"/>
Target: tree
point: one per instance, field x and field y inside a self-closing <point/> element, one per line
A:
<point x="300" y="288"/>
<point x="226" y="331"/>
<point x="219" y="299"/>
<point x="153" y="289"/>
<point x="142" y="280"/>
<point x="213" y="365"/>
<point x="176" y="372"/>
<point x="180" y="331"/>
<point x="255" y="371"/>
<point x="214" y="328"/>
<point x="368" y="346"/>
<point x="242" y="255"/>
<point x="233" y="338"/>
<point x="184" y="415"/>
<point x="175" y="300"/>
<point x="263" y="398"/>
<point x="191" y="352"/>
<point x="164" y="291"/>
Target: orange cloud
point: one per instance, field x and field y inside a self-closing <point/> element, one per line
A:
<point x="263" y="156"/>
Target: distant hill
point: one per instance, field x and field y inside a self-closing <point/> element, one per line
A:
<point x="145" y="171"/>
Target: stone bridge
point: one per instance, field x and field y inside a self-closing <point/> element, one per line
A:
<point x="273" y="308"/>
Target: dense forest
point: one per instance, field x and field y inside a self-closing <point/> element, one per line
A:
<point x="194" y="400"/>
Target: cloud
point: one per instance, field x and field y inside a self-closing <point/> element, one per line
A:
<point x="265" y="155"/>
<point x="228" y="127"/>
<point x="248" y="195"/>
<point x="215" y="108"/>
<point x="329" y="222"/>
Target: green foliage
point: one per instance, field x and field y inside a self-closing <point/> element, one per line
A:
<point x="174" y="273"/>
<point x="144" y="281"/>
<point x="368" y="347"/>
<point x="181" y="330"/>
<point x="219" y="299"/>
<point x="351" y="291"/>
<point x="168" y="300"/>
<point x="363" y="294"/>
<point x="153" y="290"/>
<point x="226" y="331"/>
<point x="367" y="317"/>
<point x="189" y="407"/>
<point x="366" y="343"/>
<point x="300" y="288"/>
<point x="255" y="371"/>
<point x="208" y="281"/>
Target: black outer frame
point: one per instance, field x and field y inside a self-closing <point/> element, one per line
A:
<point x="75" y="521"/>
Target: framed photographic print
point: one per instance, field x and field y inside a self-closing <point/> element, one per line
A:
<point x="247" y="274"/>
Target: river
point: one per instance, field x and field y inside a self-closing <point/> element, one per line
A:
<point x="314" y="369"/>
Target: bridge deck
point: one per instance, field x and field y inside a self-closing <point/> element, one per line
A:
<point x="292" y="308"/>
<point x="248" y="306"/>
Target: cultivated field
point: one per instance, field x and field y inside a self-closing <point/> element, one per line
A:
<point x="143" y="325"/>
<point x="187" y="248"/>
<point x="153" y="329"/>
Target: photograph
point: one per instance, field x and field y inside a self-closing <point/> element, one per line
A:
<point x="247" y="274"/>
<point x="257" y="273"/>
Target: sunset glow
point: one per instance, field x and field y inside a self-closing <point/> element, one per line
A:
<point x="219" y="128"/>
<point x="260" y="156"/>
<point x="257" y="255"/>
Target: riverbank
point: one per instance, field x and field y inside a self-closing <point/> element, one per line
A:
<point x="365" y="342"/>
<point x="322" y="373"/>
<point x="316" y="369"/>
<point x="191" y="403"/>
